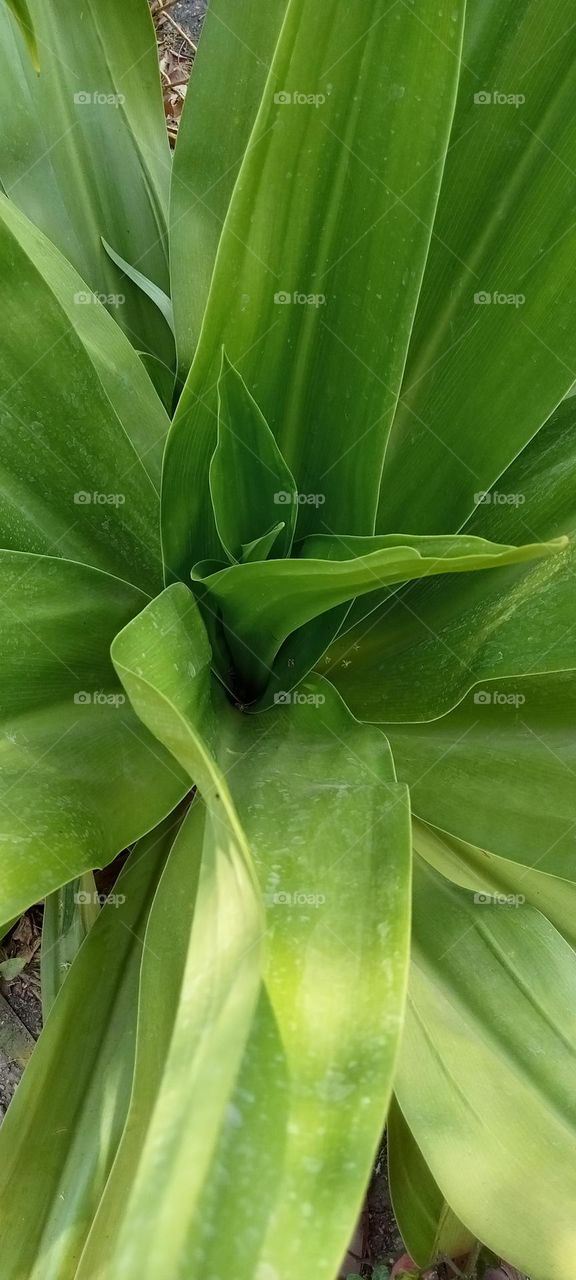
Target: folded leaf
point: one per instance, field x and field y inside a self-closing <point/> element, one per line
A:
<point x="68" y="916"/>
<point x="163" y="659"/>
<point x="157" y="296"/>
<point x="338" y="893"/>
<point x="250" y="484"/>
<point x="428" y="1227"/>
<point x="417" y="654"/>
<point x="168" y="1020"/>
<point x="262" y="604"/>
<point x="499" y="879"/>
<point x="230" y="70"/>
<point x="260" y="548"/>
<point x="498" y="290"/>
<point x="95" y="109"/>
<point x="95" y="503"/>
<point x="308" y="291"/>
<point x="486" y="1070"/>
<point x="80" y="778"/>
<point x="71" y="1104"/>
<point x="496" y="771"/>
<point x="118" y="366"/>
<point x="220" y="986"/>
<point x="351" y="821"/>
<point x="22" y="15"/>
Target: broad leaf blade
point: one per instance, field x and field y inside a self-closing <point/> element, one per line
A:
<point x="498" y="290"/>
<point x="307" y="292"/>
<point x="80" y="778"/>
<point x="497" y="770"/>
<point x="230" y="71"/>
<point x="119" y="368"/>
<point x="493" y="772"/>
<point x="499" y="879"/>
<point x="485" y="1075"/>
<point x="96" y="503"/>
<point x="338" y="894"/>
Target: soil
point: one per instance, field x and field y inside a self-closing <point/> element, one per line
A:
<point x="190" y="15"/>
<point x="20" y="1006"/>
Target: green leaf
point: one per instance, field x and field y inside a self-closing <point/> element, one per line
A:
<point x="69" y="914"/>
<point x="536" y="493"/>
<point x="158" y="297"/>
<point x="332" y="853"/>
<point x="347" y="813"/>
<point x="71" y="1105"/>
<point x="22" y="15"/>
<point x="96" y="109"/>
<point x="427" y="1225"/>
<point x="416" y="655"/>
<point x="95" y="502"/>
<point x="230" y="70"/>
<point x="262" y="604"/>
<point x="497" y="878"/>
<point x="164" y="1016"/>
<point x="162" y="376"/>
<point x="309" y="290"/>
<point x="483" y="376"/>
<point x="118" y="366"/>
<point x="486" y="1069"/>
<point x="260" y="548"/>
<point x="496" y="771"/>
<point x="220" y="985"/>
<point x="250" y="484"/>
<point x="80" y="778"/>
